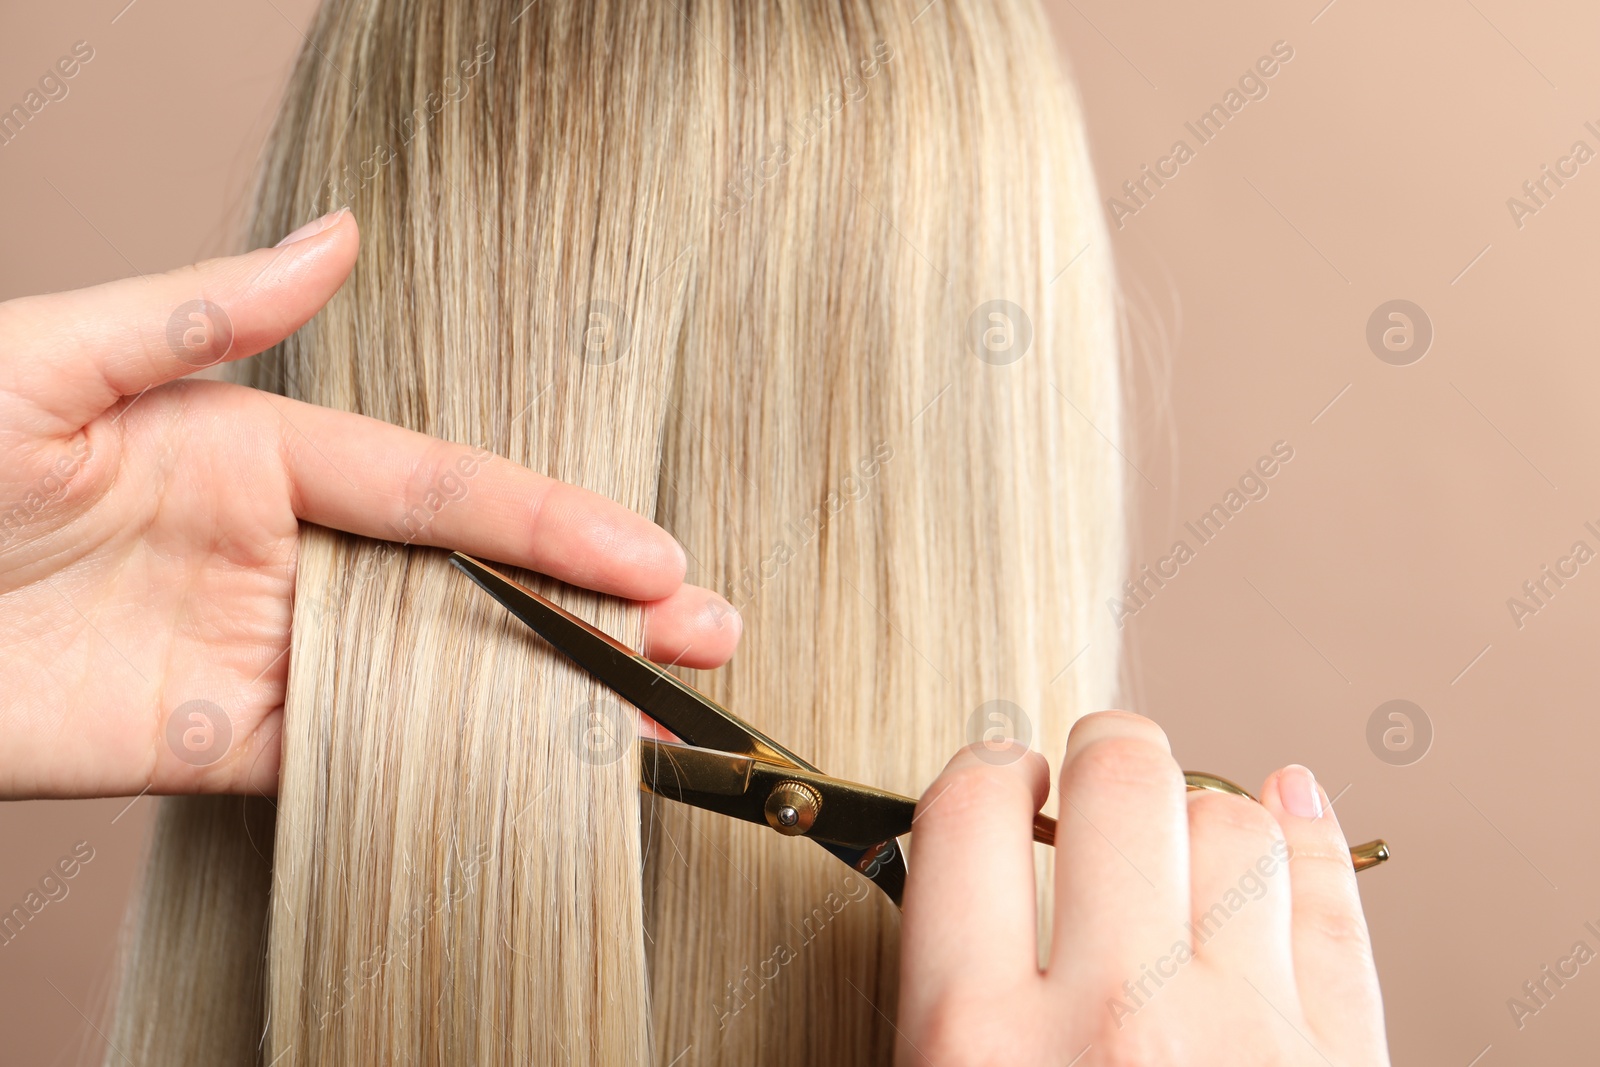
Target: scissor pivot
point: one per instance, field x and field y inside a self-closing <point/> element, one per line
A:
<point x="792" y="807"/>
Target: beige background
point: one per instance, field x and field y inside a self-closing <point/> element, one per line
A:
<point x="1377" y="567"/>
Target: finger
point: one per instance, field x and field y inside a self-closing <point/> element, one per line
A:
<point x="970" y="926"/>
<point x="1122" y="852"/>
<point x="367" y="477"/>
<point x="1239" y="879"/>
<point x="1111" y="724"/>
<point x="1332" y="951"/>
<point x="693" y="627"/>
<point x="74" y="354"/>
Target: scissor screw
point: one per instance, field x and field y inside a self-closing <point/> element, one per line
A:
<point x="792" y="807"/>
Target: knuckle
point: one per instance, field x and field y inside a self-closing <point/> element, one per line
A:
<point x="221" y="279"/>
<point x="196" y="281"/>
<point x="1122" y="762"/>
<point x="1130" y="1042"/>
<point x="1336" y="922"/>
<point x="1328" y="859"/>
<point x="539" y="507"/>
<point x="1131" y="1051"/>
<point x="962" y="1030"/>
<point x="425" y="493"/>
<point x="51" y="484"/>
<point x="561" y="508"/>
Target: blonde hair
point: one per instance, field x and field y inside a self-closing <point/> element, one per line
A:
<point x="823" y="288"/>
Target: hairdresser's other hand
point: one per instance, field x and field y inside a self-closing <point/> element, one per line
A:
<point x="148" y="523"/>
<point x="1198" y="929"/>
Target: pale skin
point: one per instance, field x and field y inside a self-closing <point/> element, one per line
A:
<point x="148" y="532"/>
<point x="148" y="525"/>
<point x="1277" y="968"/>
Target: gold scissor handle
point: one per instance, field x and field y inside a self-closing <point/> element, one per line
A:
<point x="1362" y="856"/>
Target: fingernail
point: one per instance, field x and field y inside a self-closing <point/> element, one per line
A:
<point x="314" y="227"/>
<point x="1298" y="788"/>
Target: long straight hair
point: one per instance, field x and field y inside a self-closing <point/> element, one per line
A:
<point x="823" y="287"/>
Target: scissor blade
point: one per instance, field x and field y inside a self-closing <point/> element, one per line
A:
<point x="702" y="777"/>
<point x="849" y="814"/>
<point x="728" y="765"/>
<point x="857" y="824"/>
<point x="688" y="713"/>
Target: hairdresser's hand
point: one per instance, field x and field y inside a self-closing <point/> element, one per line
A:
<point x="1198" y="929"/>
<point x="148" y="524"/>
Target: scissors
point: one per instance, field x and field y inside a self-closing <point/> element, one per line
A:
<point x="727" y="766"/>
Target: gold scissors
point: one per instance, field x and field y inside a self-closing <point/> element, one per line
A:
<point x="727" y="766"/>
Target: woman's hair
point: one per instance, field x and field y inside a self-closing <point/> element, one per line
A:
<point x="821" y="286"/>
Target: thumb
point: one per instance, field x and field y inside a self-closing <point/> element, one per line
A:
<point x="74" y="354"/>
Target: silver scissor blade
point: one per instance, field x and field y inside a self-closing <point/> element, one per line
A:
<point x="688" y="713"/>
